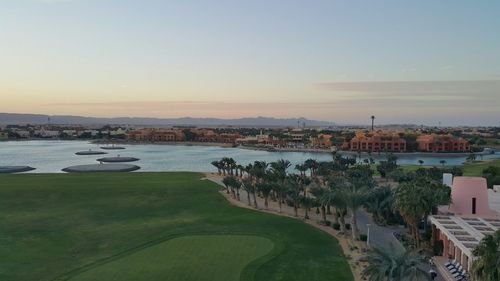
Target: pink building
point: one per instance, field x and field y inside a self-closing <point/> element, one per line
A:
<point x="460" y="227"/>
<point x="470" y="198"/>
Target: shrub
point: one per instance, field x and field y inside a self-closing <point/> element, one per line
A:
<point x="327" y="222"/>
<point x="363" y="237"/>
<point x="336" y="226"/>
<point x="438" y="248"/>
<point x="348" y="226"/>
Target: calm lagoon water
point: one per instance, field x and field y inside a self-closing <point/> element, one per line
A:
<point x="52" y="156"/>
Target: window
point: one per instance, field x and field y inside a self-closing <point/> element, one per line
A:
<point x="474" y="205"/>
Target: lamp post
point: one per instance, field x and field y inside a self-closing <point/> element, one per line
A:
<point x="368" y="234"/>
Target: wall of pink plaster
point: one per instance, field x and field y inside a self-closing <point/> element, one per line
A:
<point x="463" y="191"/>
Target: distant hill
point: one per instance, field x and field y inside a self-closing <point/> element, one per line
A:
<point x="36" y="119"/>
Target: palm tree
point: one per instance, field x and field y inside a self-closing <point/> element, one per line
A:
<point x="227" y="183"/>
<point x="320" y="194"/>
<point x="279" y="169"/>
<point x="278" y="173"/>
<point x="301" y="168"/>
<point x="217" y="165"/>
<point x="279" y="189"/>
<point x="237" y="185"/>
<point x="354" y="197"/>
<point x="265" y="189"/>
<point x="229" y="164"/>
<point x="294" y="189"/>
<point x="312" y="165"/>
<point x="234" y="184"/>
<point x="307" y="203"/>
<point x="486" y="267"/>
<point x="410" y="203"/>
<point x="420" y="162"/>
<point x="259" y="170"/>
<point x="385" y="266"/>
<point x="240" y="168"/>
<point x="442" y="162"/>
<point x="381" y="204"/>
<point x="249" y="187"/>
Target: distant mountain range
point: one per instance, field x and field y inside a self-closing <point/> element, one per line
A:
<point x="37" y="119"/>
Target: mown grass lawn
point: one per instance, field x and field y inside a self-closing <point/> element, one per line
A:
<point x="473" y="169"/>
<point x="150" y="226"/>
<point x="476" y="168"/>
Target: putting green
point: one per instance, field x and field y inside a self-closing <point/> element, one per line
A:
<point x="196" y="258"/>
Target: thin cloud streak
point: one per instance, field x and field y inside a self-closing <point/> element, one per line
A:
<point x="451" y="88"/>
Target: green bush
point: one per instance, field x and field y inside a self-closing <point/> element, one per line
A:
<point x="348" y="226"/>
<point x="363" y="237"/>
<point x="336" y="226"/>
<point x="438" y="248"/>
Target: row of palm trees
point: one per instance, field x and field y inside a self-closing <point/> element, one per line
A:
<point x="338" y="188"/>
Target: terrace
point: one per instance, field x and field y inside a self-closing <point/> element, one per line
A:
<point x="460" y="235"/>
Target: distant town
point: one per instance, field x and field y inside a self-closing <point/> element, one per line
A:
<point x="356" y="139"/>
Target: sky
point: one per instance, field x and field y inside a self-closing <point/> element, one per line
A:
<point x="420" y="62"/>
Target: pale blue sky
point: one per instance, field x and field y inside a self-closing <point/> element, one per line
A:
<point x="279" y="58"/>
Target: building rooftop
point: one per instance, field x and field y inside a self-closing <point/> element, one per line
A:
<point x="465" y="232"/>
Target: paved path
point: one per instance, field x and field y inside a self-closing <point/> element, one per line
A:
<point x="380" y="236"/>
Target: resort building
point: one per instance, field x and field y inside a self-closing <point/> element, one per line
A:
<point x="227" y="138"/>
<point x="22" y="133"/>
<point x="43" y="133"/>
<point x="204" y="135"/>
<point x="442" y="143"/>
<point x="377" y="141"/>
<point x="322" y="141"/>
<point x="178" y="135"/>
<point x="156" y="135"/>
<point x="459" y="227"/>
<point x="166" y="135"/>
<point x="261" y="138"/>
<point x="296" y="135"/>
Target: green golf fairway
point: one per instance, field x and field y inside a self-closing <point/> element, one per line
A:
<point x="151" y="226"/>
<point x="210" y="257"/>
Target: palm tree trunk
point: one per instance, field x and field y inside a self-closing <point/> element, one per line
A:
<point x="295" y="210"/>
<point x="354" y="226"/>
<point x="335" y="216"/>
<point x="279" y="203"/>
<point x="238" y="194"/>
<point x="266" y="203"/>
<point x="417" y="237"/>
<point x="323" y="213"/>
<point x="254" y="200"/>
<point x="328" y="210"/>
<point x="342" y="224"/>
<point x="248" y="197"/>
<point x="306" y="215"/>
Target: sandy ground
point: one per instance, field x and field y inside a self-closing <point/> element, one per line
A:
<point x="353" y="250"/>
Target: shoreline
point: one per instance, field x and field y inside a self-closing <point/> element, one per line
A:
<point x="363" y="153"/>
